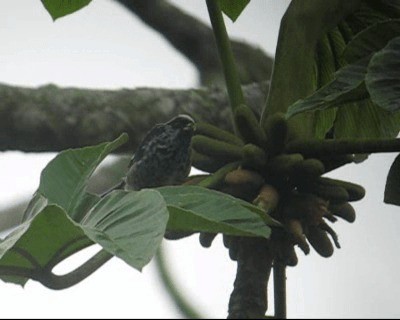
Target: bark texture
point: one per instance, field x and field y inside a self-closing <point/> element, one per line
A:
<point x="50" y="118"/>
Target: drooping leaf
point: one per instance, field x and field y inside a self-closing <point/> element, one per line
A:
<point x="294" y="75"/>
<point x="63" y="218"/>
<point x="365" y="120"/>
<point x="392" y="188"/>
<point x="130" y="225"/>
<point x="233" y="8"/>
<point x="383" y="77"/>
<point x="63" y="180"/>
<point x="40" y="242"/>
<point x="348" y="86"/>
<point x="371" y="39"/>
<point x="61" y="8"/>
<point x="199" y="209"/>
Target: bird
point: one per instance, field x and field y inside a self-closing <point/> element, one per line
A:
<point x="163" y="156"/>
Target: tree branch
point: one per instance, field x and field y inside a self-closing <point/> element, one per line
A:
<point x="195" y="41"/>
<point x="249" y="298"/>
<point x="50" y="118"/>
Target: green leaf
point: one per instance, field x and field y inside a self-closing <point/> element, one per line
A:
<point x="383" y="77"/>
<point x="197" y="209"/>
<point x="60" y="8"/>
<point x="366" y="120"/>
<point x="62" y="219"/>
<point x="41" y="242"/>
<point x="371" y="39"/>
<point x="64" y="179"/>
<point x="392" y="188"/>
<point x="128" y="224"/>
<point x="348" y="86"/>
<point x="233" y="8"/>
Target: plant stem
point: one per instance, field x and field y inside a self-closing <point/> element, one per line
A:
<point x="70" y="279"/>
<point x="279" y="289"/>
<point x="53" y="281"/>
<point x="249" y="298"/>
<point x="225" y="53"/>
<point x="187" y="310"/>
<point x="342" y="146"/>
<point x="217" y="177"/>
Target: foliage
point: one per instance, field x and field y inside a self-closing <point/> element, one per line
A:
<point x="61" y="8"/>
<point x="342" y="81"/>
<point x="127" y="224"/>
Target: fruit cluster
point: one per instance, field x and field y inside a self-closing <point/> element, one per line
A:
<point x="255" y="165"/>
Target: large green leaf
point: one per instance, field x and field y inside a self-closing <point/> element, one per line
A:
<point x="40" y="242"/>
<point x="365" y="28"/>
<point x="366" y="120"/>
<point x="194" y="208"/>
<point x="130" y="225"/>
<point x="60" y="8"/>
<point x="64" y="179"/>
<point x="383" y="77"/>
<point x="348" y="86"/>
<point x="371" y="39"/>
<point x="233" y="8"/>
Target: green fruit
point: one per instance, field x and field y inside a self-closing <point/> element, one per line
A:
<point x="282" y="165"/>
<point x="344" y="210"/>
<point x="243" y="184"/>
<point x="248" y="126"/>
<point x="320" y="241"/>
<point x="254" y="156"/>
<point x="208" y="130"/>
<point x="216" y="149"/>
<point x="267" y="198"/>
<point x="355" y="191"/>
<point x="205" y="163"/>
<point x="276" y="131"/>
<point x="308" y="169"/>
<point x="328" y="189"/>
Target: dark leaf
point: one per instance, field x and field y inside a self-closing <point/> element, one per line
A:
<point x="383" y="77"/>
<point x="233" y="8"/>
<point x="60" y="8"/>
<point x="371" y="39"/>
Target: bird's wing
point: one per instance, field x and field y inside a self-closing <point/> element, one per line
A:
<point x="156" y="131"/>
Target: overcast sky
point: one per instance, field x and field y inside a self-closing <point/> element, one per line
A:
<point x="103" y="46"/>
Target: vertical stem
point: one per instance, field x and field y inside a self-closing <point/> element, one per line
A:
<point x="279" y="289"/>
<point x="225" y="54"/>
<point x="249" y="298"/>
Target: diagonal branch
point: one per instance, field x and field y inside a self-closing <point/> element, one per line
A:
<point x="195" y="41"/>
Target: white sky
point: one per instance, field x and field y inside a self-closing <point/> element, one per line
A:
<point x="103" y="46"/>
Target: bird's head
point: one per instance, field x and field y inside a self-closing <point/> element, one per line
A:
<point x="182" y="122"/>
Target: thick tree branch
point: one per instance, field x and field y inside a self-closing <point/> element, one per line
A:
<point x="195" y="41"/>
<point x="249" y="298"/>
<point x="52" y="119"/>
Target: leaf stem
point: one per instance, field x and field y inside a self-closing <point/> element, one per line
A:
<point x="213" y="180"/>
<point x="225" y="53"/>
<point x="187" y="310"/>
<point x="56" y="282"/>
<point x="53" y="281"/>
<point x="342" y="146"/>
